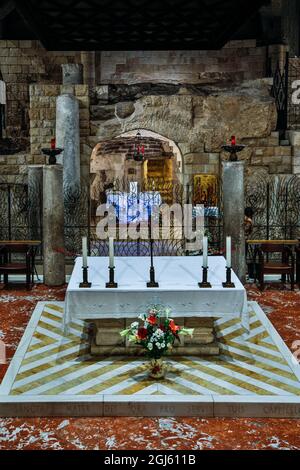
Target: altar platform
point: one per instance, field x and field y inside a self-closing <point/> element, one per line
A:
<point x="178" y="277"/>
<point x="53" y="374"/>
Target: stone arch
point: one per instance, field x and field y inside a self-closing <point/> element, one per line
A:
<point x="109" y="162"/>
<point x="146" y="132"/>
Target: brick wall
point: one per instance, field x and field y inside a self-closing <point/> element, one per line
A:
<point x="23" y="63"/>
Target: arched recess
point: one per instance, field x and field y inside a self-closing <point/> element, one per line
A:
<point x="147" y="133"/>
<point x="112" y="160"/>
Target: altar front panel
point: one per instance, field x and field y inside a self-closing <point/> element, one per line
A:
<point x="178" y="279"/>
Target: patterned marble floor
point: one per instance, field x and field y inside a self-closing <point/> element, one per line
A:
<point x="57" y="433"/>
<point x="57" y="364"/>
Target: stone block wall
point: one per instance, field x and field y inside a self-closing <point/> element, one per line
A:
<point x="23" y="63"/>
<point x="237" y="61"/>
<point x="42" y="118"/>
<point x="13" y="168"/>
<point x="173" y="110"/>
<point x="268" y="155"/>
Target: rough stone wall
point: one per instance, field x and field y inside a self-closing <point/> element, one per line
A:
<point x="199" y="121"/>
<point x="238" y="60"/>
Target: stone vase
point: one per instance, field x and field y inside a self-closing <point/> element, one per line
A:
<point x="157" y="368"/>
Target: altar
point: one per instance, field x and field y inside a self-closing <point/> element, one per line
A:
<point x="111" y="310"/>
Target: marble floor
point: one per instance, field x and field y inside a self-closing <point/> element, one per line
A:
<point x="50" y="363"/>
<point x="282" y="307"/>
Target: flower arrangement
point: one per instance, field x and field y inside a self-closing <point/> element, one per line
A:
<point x="156" y="332"/>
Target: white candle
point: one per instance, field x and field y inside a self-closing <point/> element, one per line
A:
<point x="111" y="252"/>
<point x="205" y="252"/>
<point x="228" y="252"/>
<point x="84" y="252"/>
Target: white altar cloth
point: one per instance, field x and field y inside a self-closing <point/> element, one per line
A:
<point x="178" y="278"/>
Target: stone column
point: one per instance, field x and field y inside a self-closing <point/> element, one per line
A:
<point x="68" y="138"/>
<point x="35" y="198"/>
<point x="53" y="225"/>
<point x="72" y="74"/>
<point x="234" y="208"/>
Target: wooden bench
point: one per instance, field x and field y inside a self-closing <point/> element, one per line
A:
<point x="9" y="267"/>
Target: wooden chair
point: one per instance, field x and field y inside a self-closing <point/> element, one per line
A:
<point x="285" y="266"/>
<point x="8" y="267"/>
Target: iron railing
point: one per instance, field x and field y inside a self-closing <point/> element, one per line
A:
<point x="81" y="218"/>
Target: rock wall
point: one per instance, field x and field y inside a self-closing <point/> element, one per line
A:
<point x="199" y="119"/>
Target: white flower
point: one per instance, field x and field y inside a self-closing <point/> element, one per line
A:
<point x="134" y="325"/>
<point x="163" y="345"/>
<point x="152" y="311"/>
<point x="150" y="346"/>
<point x="157" y="344"/>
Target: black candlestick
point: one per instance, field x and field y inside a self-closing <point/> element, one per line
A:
<point x="111" y="284"/>
<point x="52" y="154"/>
<point x="152" y="282"/>
<point x="233" y="150"/>
<point x="228" y="284"/>
<point x="204" y="284"/>
<point x="85" y="283"/>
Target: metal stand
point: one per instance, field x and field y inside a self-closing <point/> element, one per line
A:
<point x="52" y="154"/>
<point x="85" y="284"/>
<point x="233" y="150"/>
<point x="204" y="284"/>
<point x="228" y="284"/>
<point x="152" y="283"/>
<point x="111" y="284"/>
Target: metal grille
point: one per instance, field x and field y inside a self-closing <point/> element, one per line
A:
<point x="275" y="201"/>
<point x="81" y="218"/>
<point x="20" y="212"/>
<point x="285" y="83"/>
<point x="280" y="92"/>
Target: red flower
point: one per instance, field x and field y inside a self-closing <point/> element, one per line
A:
<point x="142" y="334"/>
<point x="151" y="319"/>
<point x="173" y="327"/>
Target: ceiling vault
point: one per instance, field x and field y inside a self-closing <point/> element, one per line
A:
<point x="132" y="24"/>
